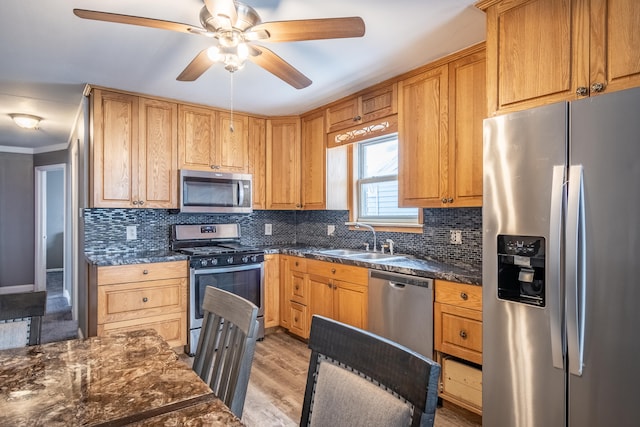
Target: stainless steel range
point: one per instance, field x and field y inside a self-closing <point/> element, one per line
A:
<point x="218" y="259"/>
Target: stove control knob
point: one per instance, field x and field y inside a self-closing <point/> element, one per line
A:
<point x="245" y="259"/>
<point x="204" y="262"/>
<point x="254" y="258"/>
<point x="230" y="260"/>
<point x="214" y="261"/>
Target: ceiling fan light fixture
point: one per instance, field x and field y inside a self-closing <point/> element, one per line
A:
<point x="26" y="121"/>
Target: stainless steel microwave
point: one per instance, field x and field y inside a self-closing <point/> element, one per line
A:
<point x="215" y="192"/>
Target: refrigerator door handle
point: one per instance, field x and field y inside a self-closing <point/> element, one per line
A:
<point x="575" y="278"/>
<point x="555" y="290"/>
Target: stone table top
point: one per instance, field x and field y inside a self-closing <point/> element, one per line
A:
<point x="114" y="380"/>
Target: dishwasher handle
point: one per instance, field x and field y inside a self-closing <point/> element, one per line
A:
<point x="396" y="285"/>
<point x="401" y="280"/>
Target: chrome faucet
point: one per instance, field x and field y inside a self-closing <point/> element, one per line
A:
<point x="390" y="242"/>
<point x="368" y="227"/>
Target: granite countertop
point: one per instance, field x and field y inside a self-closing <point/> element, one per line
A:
<point x="408" y="265"/>
<point x="99" y="380"/>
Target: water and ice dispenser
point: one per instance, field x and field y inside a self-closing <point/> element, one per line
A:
<point x="521" y="265"/>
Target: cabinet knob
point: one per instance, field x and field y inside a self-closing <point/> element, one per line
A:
<point x="141" y="202"/>
<point x="216" y="167"/>
<point x="296" y="263"/>
<point x="145" y="271"/>
<point x="145" y="299"/>
<point x="135" y="202"/>
<point x="329" y="285"/>
<point x="335" y="287"/>
<point x="450" y="200"/>
<point x="463" y="334"/>
<point x="333" y="271"/>
<point x="299" y="206"/>
<point x="464" y="296"/>
<point x="443" y="200"/>
<point x="582" y="91"/>
<point x="297" y="287"/>
<point x="597" y="87"/>
<point x="357" y="118"/>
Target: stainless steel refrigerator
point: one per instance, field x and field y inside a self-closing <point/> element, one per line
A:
<point x="561" y="265"/>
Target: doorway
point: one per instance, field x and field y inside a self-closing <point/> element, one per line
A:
<point x="52" y="242"/>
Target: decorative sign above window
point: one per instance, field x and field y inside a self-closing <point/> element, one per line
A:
<point x="367" y="131"/>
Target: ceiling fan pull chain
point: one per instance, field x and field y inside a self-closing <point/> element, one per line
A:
<point x="231" y="95"/>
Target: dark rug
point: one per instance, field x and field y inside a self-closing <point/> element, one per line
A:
<point x="57" y="323"/>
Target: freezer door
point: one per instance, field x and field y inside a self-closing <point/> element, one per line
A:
<point x="605" y="140"/>
<point x="520" y="385"/>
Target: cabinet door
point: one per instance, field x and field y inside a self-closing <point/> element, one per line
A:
<point x="379" y="103"/>
<point x="257" y="160"/>
<point x="536" y="51"/>
<point x="271" y="291"/>
<point x="196" y="133"/>
<point x="422" y="138"/>
<point x="350" y="304"/>
<point x="158" y="155"/>
<point x="321" y="296"/>
<point x="343" y="115"/>
<point x="231" y="143"/>
<point x="114" y="149"/>
<point x="467" y="110"/>
<point x="283" y="163"/>
<point x="314" y="152"/>
<point x="614" y="44"/>
<point x="285" y="291"/>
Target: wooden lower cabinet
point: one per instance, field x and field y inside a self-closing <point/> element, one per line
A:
<point x="141" y="296"/>
<point x="458" y="342"/>
<point x="271" y="290"/>
<point x="328" y="289"/>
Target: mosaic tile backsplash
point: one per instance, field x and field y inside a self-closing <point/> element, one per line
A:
<point x="105" y="231"/>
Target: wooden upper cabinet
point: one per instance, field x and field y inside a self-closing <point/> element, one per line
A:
<point x="423" y="136"/>
<point x="133" y="155"/>
<point x="313" y="162"/>
<point x="543" y="51"/>
<point x="257" y="137"/>
<point x="371" y="105"/>
<point x="467" y="110"/>
<point x="283" y="163"/>
<point x="206" y="142"/>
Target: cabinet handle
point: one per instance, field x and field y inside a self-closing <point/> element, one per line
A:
<point x="296" y="263"/>
<point x="443" y="200"/>
<point x="597" y="87"/>
<point x="464" y="296"/>
<point x="450" y="200"/>
<point x="145" y="299"/>
<point x="145" y="271"/>
<point x="582" y="91"/>
<point x="357" y="118"/>
<point x="463" y="334"/>
<point x="135" y="202"/>
<point x="141" y="202"/>
<point x="333" y="271"/>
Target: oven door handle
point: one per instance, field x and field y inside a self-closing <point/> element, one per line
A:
<point x="240" y="193"/>
<point x="254" y="266"/>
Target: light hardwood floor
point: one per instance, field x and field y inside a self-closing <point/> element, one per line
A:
<point x="278" y="379"/>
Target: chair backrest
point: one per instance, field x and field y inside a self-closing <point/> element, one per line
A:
<point x="357" y="378"/>
<point x="21" y="318"/>
<point x="226" y="346"/>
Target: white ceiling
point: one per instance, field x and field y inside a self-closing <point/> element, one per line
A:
<point x="47" y="55"/>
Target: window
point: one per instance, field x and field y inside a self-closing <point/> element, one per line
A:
<point x="377" y="183"/>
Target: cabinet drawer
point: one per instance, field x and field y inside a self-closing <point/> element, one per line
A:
<point x="142" y="299"/>
<point x="141" y="272"/>
<point x="458" y="332"/>
<point x="171" y="327"/>
<point x="458" y="294"/>
<point x="298" y="264"/>
<point x="462" y="382"/>
<point x="299" y="288"/>
<point x="299" y="320"/>
<point x="334" y="270"/>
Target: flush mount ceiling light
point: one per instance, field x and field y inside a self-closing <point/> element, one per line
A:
<point x="26" y="121"/>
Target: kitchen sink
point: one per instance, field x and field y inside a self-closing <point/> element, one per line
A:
<point x="341" y="252"/>
<point x="376" y="256"/>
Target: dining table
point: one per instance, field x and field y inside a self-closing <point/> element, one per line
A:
<point x="130" y="378"/>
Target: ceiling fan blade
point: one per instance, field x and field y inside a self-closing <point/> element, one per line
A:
<point x="136" y="20"/>
<point x="277" y="66"/>
<point x="196" y="67"/>
<point x="223" y="8"/>
<point x="312" y="29"/>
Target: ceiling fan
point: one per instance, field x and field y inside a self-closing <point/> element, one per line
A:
<point x="237" y="27"/>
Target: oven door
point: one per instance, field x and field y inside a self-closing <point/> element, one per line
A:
<point x="246" y="281"/>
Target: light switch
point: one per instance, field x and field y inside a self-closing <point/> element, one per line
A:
<point x="132" y="232"/>
<point x="331" y="230"/>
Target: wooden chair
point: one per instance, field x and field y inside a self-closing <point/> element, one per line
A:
<point x="357" y="378"/>
<point x="21" y="318"/>
<point x="226" y="346"/>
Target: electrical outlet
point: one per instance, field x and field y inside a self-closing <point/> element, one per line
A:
<point x="455" y="237"/>
<point x="132" y="232"/>
<point x="268" y="229"/>
<point x="331" y="230"/>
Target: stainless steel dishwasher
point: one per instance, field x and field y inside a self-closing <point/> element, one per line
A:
<point x="401" y="309"/>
